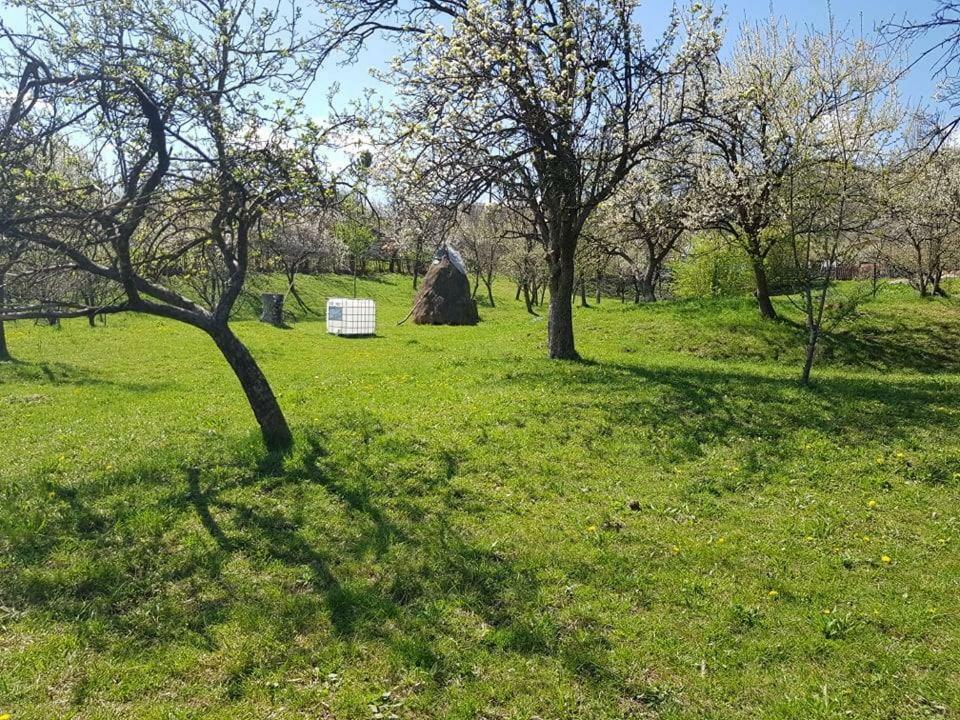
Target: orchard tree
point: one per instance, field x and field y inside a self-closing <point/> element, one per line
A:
<point x="547" y="103"/>
<point x="648" y="215"/>
<point x="297" y="239"/>
<point x="525" y="257"/>
<point x="828" y="196"/>
<point x="920" y="201"/>
<point x="354" y="230"/>
<point x="420" y="224"/>
<point x="483" y="232"/>
<point x="178" y="108"/>
<point x="749" y="145"/>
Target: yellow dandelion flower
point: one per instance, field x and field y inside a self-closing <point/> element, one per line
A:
<point x="6" y="716"/>
<point x="872" y="503"/>
<point x="866" y="538"/>
<point x="826" y="611"/>
<point x="772" y="594"/>
<point x="592" y="528"/>
<point x="885" y="559"/>
<point x="676" y="548"/>
<point x="808" y="538"/>
<point x="880" y="461"/>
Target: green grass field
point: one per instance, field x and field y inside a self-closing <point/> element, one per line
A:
<point x="671" y="529"/>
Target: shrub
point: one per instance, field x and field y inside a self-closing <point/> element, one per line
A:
<point x="713" y="266"/>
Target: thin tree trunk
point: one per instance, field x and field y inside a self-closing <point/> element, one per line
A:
<point x="813" y="335"/>
<point x="489" y="283"/>
<point x="519" y="290"/>
<point x="583" y="292"/>
<point x="599" y="284"/>
<point x="266" y="409"/>
<point x="4" y="351"/>
<point x="528" y="301"/>
<point x="937" y="278"/>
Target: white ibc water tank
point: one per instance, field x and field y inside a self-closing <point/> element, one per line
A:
<point x="351" y="316"/>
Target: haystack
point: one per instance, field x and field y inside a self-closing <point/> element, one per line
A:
<point x="444" y="297"/>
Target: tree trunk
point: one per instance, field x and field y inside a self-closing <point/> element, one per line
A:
<point x="4" y="352"/>
<point x="813" y="335"/>
<point x="560" y="322"/>
<point x="583" y="292"/>
<point x="489" y="283"/>
<point x="599" y="285"/>
<point x="646" y="284"/>
<point x="266" y="409"/>
<point x="763" y="289"/>
<point x="526" y="298"/>
<point x="937" y="288"/>
<point x="520" y="287"/>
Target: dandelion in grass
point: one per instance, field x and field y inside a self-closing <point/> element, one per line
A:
<point x="773" y="594"/>
<point x="885" y="559"/>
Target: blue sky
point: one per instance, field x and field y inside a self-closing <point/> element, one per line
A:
<point x="916" y="86"/>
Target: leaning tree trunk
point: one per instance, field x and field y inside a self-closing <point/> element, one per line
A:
<point x="763" y="289"/>
<point x="266" y="409"/>
<point x="560" y="322"/>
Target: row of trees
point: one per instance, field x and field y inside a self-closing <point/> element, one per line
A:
<point x="154" y="154"/>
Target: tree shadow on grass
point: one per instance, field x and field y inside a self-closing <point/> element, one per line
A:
<point x="310" y="546"/>
<point x="877" y="340"/>
<point x="694" y="407"/>
<point x="930" y="347"/>
<point x="58" y="373"/>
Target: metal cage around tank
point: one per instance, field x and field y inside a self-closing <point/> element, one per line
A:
<point x="351" y="316"/>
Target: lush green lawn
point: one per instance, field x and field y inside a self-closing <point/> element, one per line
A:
<point x="672" y="529"/>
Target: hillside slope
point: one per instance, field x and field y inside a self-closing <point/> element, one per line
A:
<point x="670" y="529"/>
